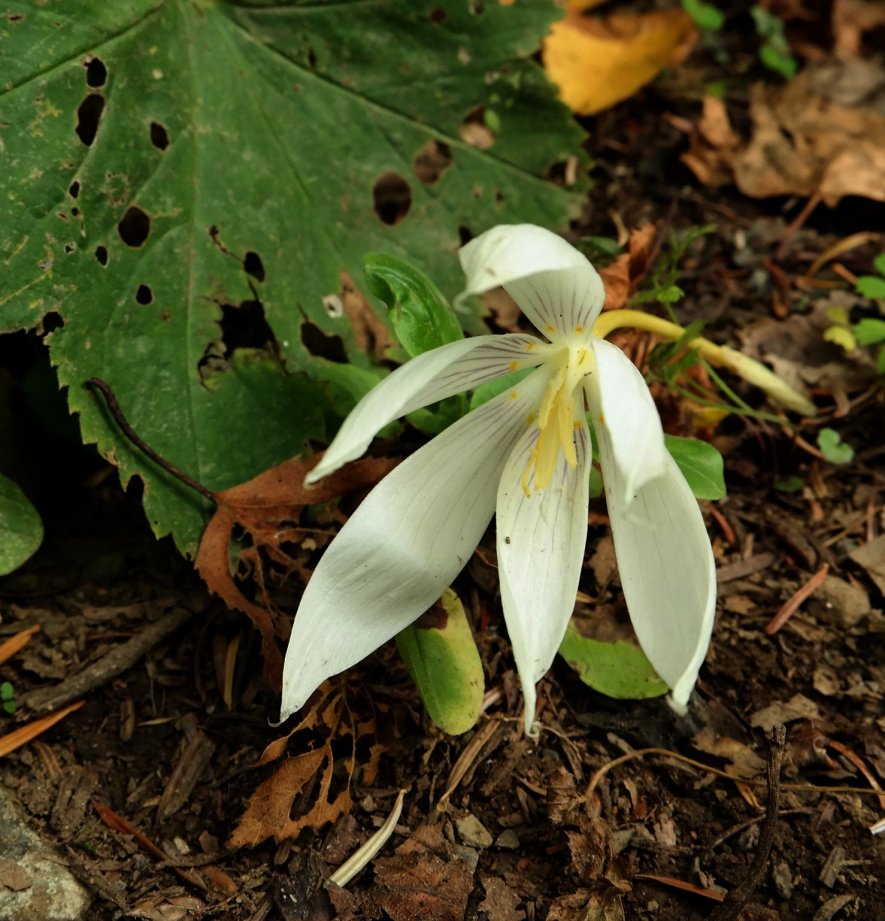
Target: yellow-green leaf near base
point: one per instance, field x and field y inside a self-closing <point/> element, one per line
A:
<point x="619" y="669"/>
<point x="442" y="658"/>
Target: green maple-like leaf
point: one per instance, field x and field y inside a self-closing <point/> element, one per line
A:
<point x="185" y="181"/>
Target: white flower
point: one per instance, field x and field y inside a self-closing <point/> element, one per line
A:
<point x="524" y="457"/>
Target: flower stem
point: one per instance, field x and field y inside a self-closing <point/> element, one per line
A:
<point x="718" y="355"/>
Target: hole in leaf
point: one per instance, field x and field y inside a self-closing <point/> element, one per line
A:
<point x="438" y="15"/>
<point x="88" y="117"/>
<point x="75" y="212"/>
<point x="254" y="266"/>
<point x="144" y="295"/>
<point x="101" y="254"/>
<point x="477" y="7"/>
<point x="70" y="248"/>
<point x="74" y="189"/>
<point x="431" y="161"/>
<point x="51" y="322"/>
<point x="96" y="73"/>
<point x="244" y="326"/>
<point x="475" y="130"/>
<point x="159" y="136"/>
<point x="134" y="227"/>
<point x="322" y="346"/>
<point x="465" y="234"/>
<point x="392" y="197"/>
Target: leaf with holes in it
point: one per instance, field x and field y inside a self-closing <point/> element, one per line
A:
<point x="189" y="187"/>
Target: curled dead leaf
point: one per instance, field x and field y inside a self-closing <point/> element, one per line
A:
<point x="621" y="277"/>
<point x="266" y="509"/>
<point x="270" y="806"/>
<point x="818" y="134"/>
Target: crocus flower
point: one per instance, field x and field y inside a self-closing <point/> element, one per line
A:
<point x="524" y="457"/>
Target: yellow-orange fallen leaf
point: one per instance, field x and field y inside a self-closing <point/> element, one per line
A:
<point x="597" y="62"/>
<point x="8" y="648"/>
<point x="24" y="734"/>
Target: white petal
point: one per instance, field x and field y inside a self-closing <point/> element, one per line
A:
<point x="554" y="285"/>
<point x="433" y="376"/>
<point x="666" y="567"/>
<point x="541" y="539"/>
<point x="404" y="544"/>
<point x="620" y="402"/>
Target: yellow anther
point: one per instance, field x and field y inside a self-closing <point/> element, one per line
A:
<point x="579" y="329"/>
<point x="513" y="365"/>
<point x="557" y="420"/>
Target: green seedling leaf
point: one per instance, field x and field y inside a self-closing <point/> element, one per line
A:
<point x="7" y="697"/>
<point x="190" y="187"/>
<point x="870" y="331"/>
<point x="419" y="313"/>
<point x="442" y="658"/>
<point x="775" y="50"/>
<point x="701" y="465"/>
<point x="879" y="263"/>
<point x="841" y="336"/>
<point x="21" y="530"/>
<point x="619" y="669"/>
<point x="871" y="286"/>
<point x="789" y="484"/>
<point x="833" y="448"/>
<point x="706" y="16"/>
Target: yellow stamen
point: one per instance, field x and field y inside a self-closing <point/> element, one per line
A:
<point x="558" y="423"/>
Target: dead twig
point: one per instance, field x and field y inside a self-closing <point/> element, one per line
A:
<point x="789" y="608"/>
<point x="739" y="896"/>
<point x="108" y="666"/>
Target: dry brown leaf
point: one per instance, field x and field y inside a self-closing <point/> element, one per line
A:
<point x="796" y="708"/>
<point x="713" y="145"/>
<point x="270" y="806"/>
<point x="265" y="508"/>
<point x="745" y="763"/>
<point x="621" y="277"/>
<point x="871" y="556"/>
<point x="424" y="879"/>
<point x="324" y="712"/>
<point x="588" y="905"/>
<point x="597" y="62"/>
<point x="819" y="134"/>
<point x="850" y="20"/>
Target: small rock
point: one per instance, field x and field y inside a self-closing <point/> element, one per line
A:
<point x="783" y="879"/>
<point x="472" y="832"/>
<point x="840" y="603"/>
<point x="508" y="840"/>
<point x="48" y="891"/>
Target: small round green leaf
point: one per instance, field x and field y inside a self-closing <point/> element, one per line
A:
<point x="701" y="465"/>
